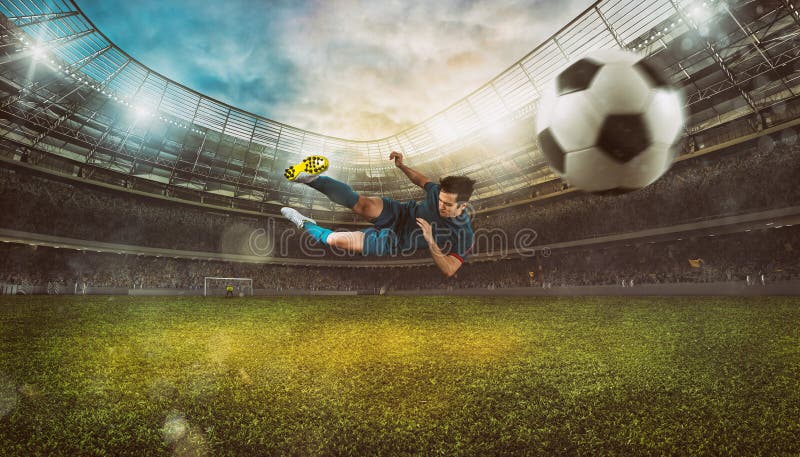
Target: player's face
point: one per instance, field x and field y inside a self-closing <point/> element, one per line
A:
<point x="448" y="206"/>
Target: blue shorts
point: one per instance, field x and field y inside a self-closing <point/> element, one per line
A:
<point x="381" y="239"/>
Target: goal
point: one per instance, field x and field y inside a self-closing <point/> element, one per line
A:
<point x="218" y="286"/>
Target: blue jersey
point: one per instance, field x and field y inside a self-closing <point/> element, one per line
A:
<point x="396" y="228"/>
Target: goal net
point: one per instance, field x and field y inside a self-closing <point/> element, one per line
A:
<point x="219" y="286"/>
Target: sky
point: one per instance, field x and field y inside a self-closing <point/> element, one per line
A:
<point x="360" y="70"/>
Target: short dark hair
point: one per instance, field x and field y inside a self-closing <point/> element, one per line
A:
<point x="460" y="185"/>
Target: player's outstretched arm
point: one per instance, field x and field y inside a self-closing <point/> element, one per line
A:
<point x="447" y="263"/>
<point x="415" y="176"/>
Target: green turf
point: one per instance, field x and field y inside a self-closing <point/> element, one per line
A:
<point x="395" y="375"/>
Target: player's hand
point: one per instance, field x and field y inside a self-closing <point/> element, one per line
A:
<point x="427" y="231"/>
<point x="397" y="157"/>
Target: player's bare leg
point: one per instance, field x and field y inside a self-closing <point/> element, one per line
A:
<point x="349" y="241"/>
<point x="368" y="207"/>
<point x="309" y="172"/>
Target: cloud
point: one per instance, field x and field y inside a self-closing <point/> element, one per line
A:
<point x="352" y="69"/>
<point x="404" y="60"/>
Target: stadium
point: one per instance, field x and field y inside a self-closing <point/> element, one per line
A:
<point x="155" y="301"/>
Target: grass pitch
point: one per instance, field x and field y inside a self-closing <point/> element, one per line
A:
<point x="397" y="375"/>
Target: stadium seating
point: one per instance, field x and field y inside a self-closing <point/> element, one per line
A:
<point x="734" y="182"/>
<point x="747" y="179"/>
<point x="770" y="251"/>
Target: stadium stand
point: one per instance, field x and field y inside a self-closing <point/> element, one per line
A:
<point x="736" y="181"/>
<point x="772" y="251"/>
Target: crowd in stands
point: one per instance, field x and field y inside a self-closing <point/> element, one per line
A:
<point x="757" y="177"/>
<point x="726" y="258"/>
<point x="36" y="204"/>
<point x="771" y="252"/>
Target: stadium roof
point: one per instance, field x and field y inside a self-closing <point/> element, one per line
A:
<point x="66" y="89"/>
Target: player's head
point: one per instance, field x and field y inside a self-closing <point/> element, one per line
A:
<point x="454" y="192"/>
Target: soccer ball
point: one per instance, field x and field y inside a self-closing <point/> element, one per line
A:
<point x="608" y="121"/>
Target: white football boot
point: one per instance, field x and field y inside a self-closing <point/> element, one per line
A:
<point x="295" y="217"/>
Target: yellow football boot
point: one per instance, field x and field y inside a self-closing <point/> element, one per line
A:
<point x="307" y="170"/>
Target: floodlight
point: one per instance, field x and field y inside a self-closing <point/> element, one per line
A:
<point x="38" y="51"/>
<point x="700" y="13"/>
<point x="141" y="112"/>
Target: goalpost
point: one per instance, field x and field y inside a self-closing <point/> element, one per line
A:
<point x="218" y="286"/>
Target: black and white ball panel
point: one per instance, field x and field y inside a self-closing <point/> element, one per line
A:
<point x="647" y="166"/>
<point x="618" y="90"/>
<point x="551" y="150"/>
<point x="577" y="77"/>
<point x="575" y="121"/>
<point x="664" y="116"/>
<point x="654" y="76"/>
<point x="591" y="170"/>
<point x="624" y="136"/>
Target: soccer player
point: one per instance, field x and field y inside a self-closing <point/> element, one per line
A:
<point x="439" y="223"/>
